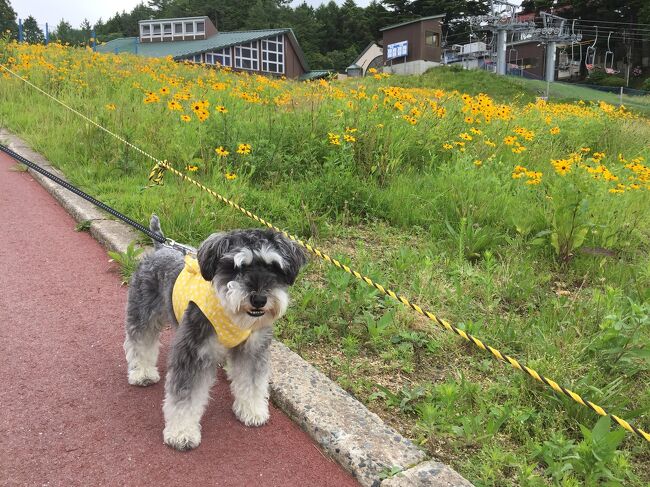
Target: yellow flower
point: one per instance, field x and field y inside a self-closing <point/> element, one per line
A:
<point x="164" y="90"/>
<point x="350" y="130"/>
<point x="231" y="176"/>
<point x="555" y="130"/>
<point x="186" y="118"/>
<point x="111" y="106"/>
<point x="510" y="140"/>
<point x="465" y="136"/>
<point x="334" y="139"/>
<point x="174" y="105"/>
<point x="399" y="106"/>
<point x="349" y="138"/>
<point x="192" y="168"/>
<point x="447" y="146"/>
<point x="221" y="109"/>
<point x="478" y="162"/>
<point x="152" y="98"/>
<point x="469" y="120"/>
<point x="244" y="149"/>
<point x="221" y="152"/>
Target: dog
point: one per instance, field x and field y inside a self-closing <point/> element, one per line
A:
<point x="223" y="304"/>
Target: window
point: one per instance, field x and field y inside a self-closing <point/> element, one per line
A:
<point x="178" y="28"/>
<point x="146" y="30"/>
<point x="189" y="27"/>
<point x="246" y="56"/>
<point x="200" y="27"/>
<point x="156" y="29"/>
<point x="196" y="58"/>
<point x="222" y="57"/>
<point x="167" y="29"/>
<point x="432" y="39"/>
<point x="273" y="54"/>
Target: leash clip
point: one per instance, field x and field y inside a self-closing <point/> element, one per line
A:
<point x="184" y="249"/>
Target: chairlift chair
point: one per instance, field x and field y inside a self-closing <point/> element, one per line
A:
<point x="563" y="61"/>
<point x="590" y="56"/>
<point x="609" y="58"/>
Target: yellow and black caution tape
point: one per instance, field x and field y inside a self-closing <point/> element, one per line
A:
<point x="439" y="321"/>
<point x="156" y="175"/>
<point x="159" y="168"/>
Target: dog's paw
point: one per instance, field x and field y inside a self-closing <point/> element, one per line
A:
<point x="182" y="439"/>
<point x="143" y="377"/>
<point x="251" y="414"/>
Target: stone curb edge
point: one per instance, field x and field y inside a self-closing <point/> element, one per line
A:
<point x="345" y="429"/>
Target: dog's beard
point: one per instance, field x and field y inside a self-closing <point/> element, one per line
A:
<point x="235" y="300"/>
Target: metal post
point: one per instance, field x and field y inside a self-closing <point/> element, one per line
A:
<point x="550" y="61"/>
<point x="620" y="97"/>
<point x="135" y="45"/>
<point x="20" y="30"/>
<point x="94" y="40"/>
<point x="47" y="34"/>
<point x="501" y="51"/>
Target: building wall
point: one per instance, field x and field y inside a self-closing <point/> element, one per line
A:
<point x="414" y="33"/>
<point x="292" y="66"/>
<point x="532" y="56"/>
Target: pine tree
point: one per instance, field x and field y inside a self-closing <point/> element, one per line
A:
<point x="8" y="18"/>
<point x="32" y="32"/>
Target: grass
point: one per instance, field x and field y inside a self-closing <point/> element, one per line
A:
<point x="521" y="222"/>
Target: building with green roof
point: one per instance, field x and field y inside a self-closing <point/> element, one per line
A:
<point x="270" y="51"/>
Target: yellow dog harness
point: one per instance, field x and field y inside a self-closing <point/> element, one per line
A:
<point x="190" y="286"/>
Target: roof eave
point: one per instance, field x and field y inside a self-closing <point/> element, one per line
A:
<point x="429" y="17"/>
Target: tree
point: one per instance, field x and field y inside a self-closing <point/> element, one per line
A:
<point x="8" y="18"/>
<point x="32" y="32"/>
<point x="64" y="32"/>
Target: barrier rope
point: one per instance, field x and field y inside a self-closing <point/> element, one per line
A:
<point x="156" y="176"/>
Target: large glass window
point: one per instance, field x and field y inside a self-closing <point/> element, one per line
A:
<point x="146" y="30"/>
<point x="178" y="28"/>
<point x="156" y="29"/>
<point x="273" y="54"/>
<point x="246" y="56"/>
<point x="200" y="27"/>
<point x="189" y="27"/>
<point x="167" y="29"/>
<point x="221" y="56"/>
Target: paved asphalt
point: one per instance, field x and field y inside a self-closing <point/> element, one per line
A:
<point x="67" y="414"/>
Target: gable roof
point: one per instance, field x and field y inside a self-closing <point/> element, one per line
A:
<point x="184" y="49"/>
<point x="431" y="17"/>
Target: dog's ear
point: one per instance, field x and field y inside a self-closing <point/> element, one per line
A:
<point x="292" y="254"/>
<point x="210" y="253"/>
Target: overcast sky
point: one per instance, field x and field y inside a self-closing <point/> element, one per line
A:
<point x="74" y="11"/>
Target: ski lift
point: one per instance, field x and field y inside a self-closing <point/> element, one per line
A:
<point x="609" y="58"/>
<point x="575" y="63"/>
<point x="590" y="56"/>
<point x="563" y="61"/>
<point x="512" y="52"/>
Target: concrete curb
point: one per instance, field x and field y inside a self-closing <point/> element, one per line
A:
<point x="348" y="432"/>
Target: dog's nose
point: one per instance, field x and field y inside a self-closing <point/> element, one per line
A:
<point x="258" y="300"/>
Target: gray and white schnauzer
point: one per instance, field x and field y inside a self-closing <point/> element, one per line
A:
<point x="223" y="304"/>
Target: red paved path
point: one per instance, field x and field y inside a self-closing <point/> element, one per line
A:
<point x="67" y="415"/>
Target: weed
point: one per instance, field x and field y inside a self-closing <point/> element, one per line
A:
<point x="83" y="226"/>
<point x="127" y="261"/>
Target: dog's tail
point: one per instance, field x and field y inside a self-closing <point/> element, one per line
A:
<point x="154" y="226"/>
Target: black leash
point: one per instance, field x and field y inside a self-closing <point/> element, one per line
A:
<point x="156" y="236"/>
